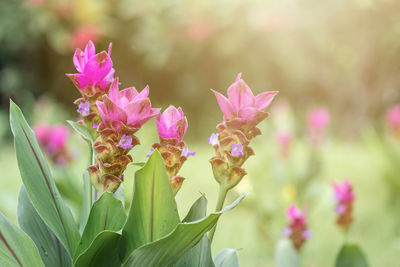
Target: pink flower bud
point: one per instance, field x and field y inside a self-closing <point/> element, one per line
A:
<point x="344" y="196"/>
<point x="127" y="107"/>
<point x="297" y="230"/>
<point x="172" y="123"/>
<point x="95" y="70"/>
<point x="242" y="106"/>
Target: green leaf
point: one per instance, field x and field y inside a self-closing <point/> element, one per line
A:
<point x="103" y="251"/>
<point x="167" y="250"/>
<point x="16" y="248"/>
<point x="350" y="255"/>
<point x="153" y="213"/>
<point x="227" y="258"/>
<point x="200" y="254"/>
<point x="51" y="250"/>
<point x="285" y="254"/>
<point x="39" y="184"/>
<point x="107" y="214"/>
<point x="82" y="131"/>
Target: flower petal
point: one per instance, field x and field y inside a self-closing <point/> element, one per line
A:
<point x="240" y="95"/>
<point x="264" y="99"/>
<point x="224" y="105"/>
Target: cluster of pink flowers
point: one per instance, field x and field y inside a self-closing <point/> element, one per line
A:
<point x="242" y="111"/>
<point x="113" y="117"/>
<point x="297" y="229"/>
<point x="393" y="120"/>
<point x="318" y="120"/>
<point x="53" y="140"/>
<point x="344" y="197"/>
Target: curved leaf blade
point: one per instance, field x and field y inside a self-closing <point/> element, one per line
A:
<point x="166" y="251"/>
<point x="351" y="255"/>
<point x="39" y="184"/>
<point x="227" y="258"/>
<point x="107" y="214"/>
<point x="200" y="254"/>
<point x="102" y="252"/>
<point x="285" y="254"/>
<point x="153" y="212"/>
<point x="16" y="248"/>
<point x="82" y="131"/>
<point x="51" y="250"/>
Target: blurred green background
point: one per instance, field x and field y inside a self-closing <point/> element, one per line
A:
<point x="341" y="55"/>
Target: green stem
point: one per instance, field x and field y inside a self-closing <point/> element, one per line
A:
<point x="220" y="203"/>
<point x="87" y="192"/>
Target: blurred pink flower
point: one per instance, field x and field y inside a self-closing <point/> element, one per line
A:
<point x="172" y="123"/>
<point x="95" y="70"/>
<point x="127" y="106"/>
<point x="242" y="106"/>
<point x="284" y="140"/>
<point x="85" y="34"/>
<point x="53" y="140"/>
<point x="297" y="230"/>
<point x="318" y="120"/>
<point x="344" y="196"/>
<point x="199" y="30"/>
<point x="393" y="120"/>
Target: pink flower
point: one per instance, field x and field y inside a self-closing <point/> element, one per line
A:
<point x="172" y="123"/>
<point x="343" y="191"/>
<point x="94" y="69"/>
<point x="317" y="121"/>
<point x="344" y="196"/>
<point x="393" y="120"/>
<point x="53" y="140"/>
<point x="127" y="106"/>
<point x="297" y="230"/>
<point x="242" y="105"/>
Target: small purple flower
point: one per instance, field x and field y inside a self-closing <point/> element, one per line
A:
<point x="95" y="125"/>
<point x="126" y="142"/>
<point x="186" y="153"/>
<point x="341" y="209"/>
<point x="213" y="140"/>
<point x="287" y="232"/>
<point x="307" y="234"/>
<point x="237" y="150"/>
<point x="151" y="151"/>
<point x="84" y="108"/>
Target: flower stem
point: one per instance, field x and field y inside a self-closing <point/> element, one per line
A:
<point x="220" y="203"/>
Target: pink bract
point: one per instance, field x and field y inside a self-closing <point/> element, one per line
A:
<point x="242" y="105"/>
<point x="343" y="192"/>
<point x="172" y="123"/>
<point x="94" y="69"/>
<point x="318" y="120"/>
<point x="127" y="106"/>
<point x="53" y="139"/>
<point x="393" y="117"/>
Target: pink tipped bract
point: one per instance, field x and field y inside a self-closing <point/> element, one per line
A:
<point x="172" y="123"/>
<point x="242" y="105"/>
<point x="94" y="69"/>
<point x="127" y="106"/>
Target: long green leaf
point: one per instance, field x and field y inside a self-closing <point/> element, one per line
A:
<point x="16" y="248"/>
<point x="102" y="252"/>
<point x="200" y="254"/>
<point x="82" y="131"/>
<point x="166" y="251"/>
<point x="39" y="184"/>
<point x="51" y="250"/>
<point x="350" y="255"/>
<point x="153" y="212"/>
<point x="107" y="214"/>
<point x="227" y="258"/>
<point x="285" y="254"/>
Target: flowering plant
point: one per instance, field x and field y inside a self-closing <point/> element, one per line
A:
<point x="152" y="233"/>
